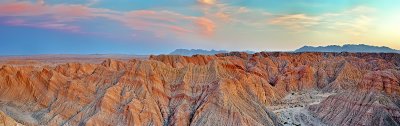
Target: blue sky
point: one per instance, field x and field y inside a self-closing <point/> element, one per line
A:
<point x="160" y="26"/>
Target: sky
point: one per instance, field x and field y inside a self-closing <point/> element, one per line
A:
<point x="29" y="27"/>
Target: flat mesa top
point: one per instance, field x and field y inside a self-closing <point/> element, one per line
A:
<point x="59" y="59"/>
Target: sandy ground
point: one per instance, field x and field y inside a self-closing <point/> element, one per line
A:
<point x="60" y="59"/>
<point x="293" y="109"/>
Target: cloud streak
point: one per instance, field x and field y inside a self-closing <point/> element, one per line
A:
<point x="44" y="25"/>
<point x="355" y="21"/>
<point x="295" y="22"/>
<point x="206" y="25"/>
<point x="210" y="17"/>
<point x="207" y="2"/>
<point x="62" y="17"/>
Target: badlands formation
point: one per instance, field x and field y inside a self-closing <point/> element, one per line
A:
<point x="271" y="89"/>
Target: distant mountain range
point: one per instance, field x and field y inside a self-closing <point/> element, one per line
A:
<point x="330" y="48"/>
<point x="348" y="48"/>
<point x="190" y="52"/>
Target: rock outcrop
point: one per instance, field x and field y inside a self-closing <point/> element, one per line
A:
<point x="374" y="103"/>
<point x="5" y="120"/>
<point x="224" y="89"/>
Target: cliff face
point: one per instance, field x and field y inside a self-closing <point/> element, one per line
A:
<point x="224" y="89"/>
<point x="374" y="102"/>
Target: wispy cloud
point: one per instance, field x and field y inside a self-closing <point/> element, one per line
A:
<point x="51" y="17"/>
<point x="37" y="9"/>
<point x="44" y="25"/>
<point x="225" y="13"/>
<point x="207" y="2"/>
<point x="214" y="14"/>
<point x="355" y="21"/>
<point x="206" y="25"/>
<point x="163" y="22"/>
<point x="295" y="22"/>
<point x="62" y="16"/>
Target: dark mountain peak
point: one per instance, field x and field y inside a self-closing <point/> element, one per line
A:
<point x="348" y="48"/>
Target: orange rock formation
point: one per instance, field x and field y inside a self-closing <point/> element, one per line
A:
<point x="225" y="89"/>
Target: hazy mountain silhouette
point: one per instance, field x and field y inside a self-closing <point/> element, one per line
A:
<point x="190" y="52"/>
<point x="348" y="48"/>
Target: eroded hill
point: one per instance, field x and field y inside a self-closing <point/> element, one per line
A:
<point x="224" y="89"/>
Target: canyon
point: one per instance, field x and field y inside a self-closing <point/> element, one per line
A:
<point x="235" y="88"/>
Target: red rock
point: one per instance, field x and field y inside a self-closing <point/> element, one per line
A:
<point x="225" y="89"/>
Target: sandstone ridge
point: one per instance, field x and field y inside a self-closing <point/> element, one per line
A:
<point x="224" y="89"/>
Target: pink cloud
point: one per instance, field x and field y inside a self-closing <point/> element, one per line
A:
<point x="32" y="9"/>
<point x="44" y="25"/>
<point x="20" y="9"/>
<point x="223" y="16"/>
<point x="162" y="23"/>
<point x="53" y="17"/>
<point x="179" y="29"/>
<point x="62" y="16"/>
<point x="206" y="25"/>
<point x="59" y="26"/>
<point x="71" y="10"/>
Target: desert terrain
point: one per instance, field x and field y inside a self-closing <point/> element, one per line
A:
<point x="236" y="88"/>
